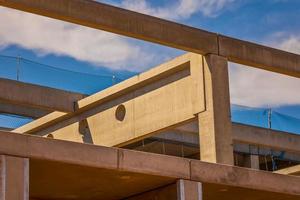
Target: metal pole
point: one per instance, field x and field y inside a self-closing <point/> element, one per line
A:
<point x="270" y="118"/>
<point x="18" y="67"/>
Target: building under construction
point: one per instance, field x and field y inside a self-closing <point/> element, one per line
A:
<point x="163" y="134"/>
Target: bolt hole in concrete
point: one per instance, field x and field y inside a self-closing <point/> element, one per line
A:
<point x="120" y="112"/>
<point x="50" y="136"/>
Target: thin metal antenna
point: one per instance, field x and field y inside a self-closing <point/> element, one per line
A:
<point x="18" y="67"/>
<point x="270" y="118"/>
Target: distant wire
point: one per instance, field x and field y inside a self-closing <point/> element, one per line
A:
<point x="61" y="69"/>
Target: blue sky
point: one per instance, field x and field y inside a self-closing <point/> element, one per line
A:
<point x="272" y="22"/>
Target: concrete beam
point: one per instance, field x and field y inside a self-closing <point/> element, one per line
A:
<point x="43" y="122"/>
<point x="140" y="163"/>
<point x="266" y="137"/>
<point x="215" y="124"/>
<point x="22" y="110"/>
<point x="120" y="21"/>
<point x="155" y="100"/>
<point x="259" y="56"/>
<point x="124" y="22"/>
<point x="181" y="190"/>
<point x="294" y="170"/>
<point x="14" y="178"/>
<point x="241" y="133"/>
<point x="26" y="94"/>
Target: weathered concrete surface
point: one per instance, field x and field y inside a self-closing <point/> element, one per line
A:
<point x="14" y="178"/>
<point x="181" y="190"/>
<point x="155" y="164"/>
<point x="162" y="193"/>
<point x="259" y="56"/>
<point x="120" y="21"/>
<point x="266" y="137"/>
<point x="160" y="98"/>
<point x="19" y="93"/>
<point x="294" y="170"/>
<point x="236" y="176"/>
<point x="161" y="104"/>
<point x="215" y="123"/>
<point x="241" y="133"/>
<point x="58" y="180"/>
<point x="71" y="160"/>
<point x="22" y="110"/>
<point x="40" y="123"/>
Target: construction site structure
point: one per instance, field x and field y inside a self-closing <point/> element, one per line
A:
<point x="163" y="134"/>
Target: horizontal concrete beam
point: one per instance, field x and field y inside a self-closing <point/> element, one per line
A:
<point x="124" y="22"/>
<point x="259" y="56"/>
<point x="294" y="170"/>
<point x="25" y="94"/>
<point x="241" y="133"/>
<point x="266" y="137"/>
<point x="157" y="77"/>
<point x="22" y="110"/>
<point x="120" y="21"/>
<point x="39" y="148"/>
<point x="181" y="190"/>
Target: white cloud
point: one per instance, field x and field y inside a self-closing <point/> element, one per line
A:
<point x="181" y="9"/>
<point x="47" y="36"/>
<point x="258" y="88"/>
<point x="290" y="43"/>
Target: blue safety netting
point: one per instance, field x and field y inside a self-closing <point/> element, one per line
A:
<point x="27" y="71"/>
<point x="31" y="72"/>
<point x="284" y="123"/>
<point x="250" y="116"/>
<point x="265" y="117"/>
<point x="13" y="121"/>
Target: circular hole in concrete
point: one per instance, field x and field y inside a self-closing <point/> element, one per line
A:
<point x="120" y="112"/>
<point x="50" y="136"/>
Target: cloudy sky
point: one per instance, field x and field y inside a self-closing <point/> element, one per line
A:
<point x="271" y="22"/>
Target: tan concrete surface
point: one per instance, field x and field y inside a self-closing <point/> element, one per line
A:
<point x="16" y="92"/>
<point x="58" y="180"/>
<point x="181" y="190"/>
<point x="266" y="137"/>
<point x="254" y="161"/>
<point x="14" y="178"/>
<point x="40" y="123"/>
<point x="294" y="170"/>
<point x="156" y="106"/>
<point x="215" y="123"/>
<point x="44" y="150"/>
<point x="161" y="193"/>
<point x="236" y="176"/>
<point x="154" y="164"/>
<point x="259" y="56"/>
<point x="241" y="133"/>
<point x="22" y="110"/>
<point x="162" y="97"/>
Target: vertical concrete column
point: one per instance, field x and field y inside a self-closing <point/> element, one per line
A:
<point x="215" y="123"/>
<point x="181" y="190"/>
<point x="254" y="161"/>
<point x="14" y="178"/>
<point x="189" y="190"/>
